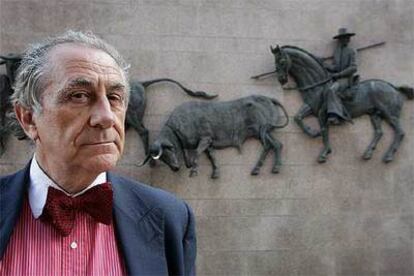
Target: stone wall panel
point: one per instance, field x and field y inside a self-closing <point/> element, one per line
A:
<point x="345" y="217"/>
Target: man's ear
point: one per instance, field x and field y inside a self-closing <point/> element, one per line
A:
<point x="26" y="120"/>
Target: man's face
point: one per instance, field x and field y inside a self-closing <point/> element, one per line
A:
<point x="344" y="40"/>
<point x="81" y="125"/>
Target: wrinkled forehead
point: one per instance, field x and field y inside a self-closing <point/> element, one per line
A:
<point x="72" y="58"/>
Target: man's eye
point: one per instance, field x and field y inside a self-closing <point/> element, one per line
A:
<point x="116" y="98"/>
<point x="79" y="97"/>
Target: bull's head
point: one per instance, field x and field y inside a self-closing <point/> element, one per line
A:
<point x="282" y="63"/>
<point x="166" y="152"/>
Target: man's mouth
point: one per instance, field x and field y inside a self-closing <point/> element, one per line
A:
<point x="97" y="144"/>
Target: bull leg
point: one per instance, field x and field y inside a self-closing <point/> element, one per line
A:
<point x="304" y="112"/>
<point x="259" y="163"/>
<point x="204" y="144"/>
<point x="277" y="148"/>
<point x="398" y="137"/>
<point x="3" y="139"/>
<point x="2" y="146"/>
<point x="376" y="123"/>
<point x="325" y="137"/>
<point x="188" y="157"/>
<point x="143" y="133"/>
<point x="216" y="173"/>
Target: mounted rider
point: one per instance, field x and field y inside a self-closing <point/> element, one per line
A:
<point x="343" y="70"/>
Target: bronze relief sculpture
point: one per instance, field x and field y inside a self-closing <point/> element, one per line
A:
<point x="194" y="128"/>
<point x="12" y="62"/>
<point x="137" y="105"/>
<point x="334" y="94"/>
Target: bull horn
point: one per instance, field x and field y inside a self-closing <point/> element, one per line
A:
<point x="156" y="157"/>
<point x="147" y="158"/>
<point x="271" y="48"/>
<point x="156" y="151"/>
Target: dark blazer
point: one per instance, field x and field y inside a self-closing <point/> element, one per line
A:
<point x="155" y="230"/>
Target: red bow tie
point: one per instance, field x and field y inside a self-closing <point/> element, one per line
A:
<point x="60" y="209"/>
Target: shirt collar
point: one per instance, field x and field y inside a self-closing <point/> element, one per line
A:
<point x="40" y="182"/>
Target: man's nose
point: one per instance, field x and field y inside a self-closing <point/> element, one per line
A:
<point x="102" y="114"/>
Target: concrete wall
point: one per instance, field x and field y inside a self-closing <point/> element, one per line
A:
<point x="345" y="217"/>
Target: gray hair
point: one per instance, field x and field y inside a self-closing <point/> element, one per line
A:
<point x="30" y="81"/>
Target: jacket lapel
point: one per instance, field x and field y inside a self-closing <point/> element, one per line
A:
<point x="139" y="228"/>
<point x="12" y="193"/>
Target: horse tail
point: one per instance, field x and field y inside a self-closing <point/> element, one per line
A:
<point x="407" y="91"/>
<point x="197" y="94"/>
<point x="276" y="102"/>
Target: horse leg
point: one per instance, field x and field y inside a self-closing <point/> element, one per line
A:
<point x="259" y="163"/>
<point x="216" y="173"/>
<point x="398" y="137"/>
<point x="376" y="123"/>
<point x="203" y="145"/>
<point x="325" y="137"/>
<point x="304" y="112"/>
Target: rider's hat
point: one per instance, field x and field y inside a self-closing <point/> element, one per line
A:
<point x="342" y="32"/>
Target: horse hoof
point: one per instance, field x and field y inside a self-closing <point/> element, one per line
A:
<point x="255" y="171"/>
<point x="193" y="173"/>
<point x="276" y="170"/>
<point x="322" y="159"/>
<point x="215" y="175"/>
<point x="367" y="156"/>
<point x="388" y="159"/>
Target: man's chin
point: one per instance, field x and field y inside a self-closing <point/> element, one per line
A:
<point x="101" y="163"/>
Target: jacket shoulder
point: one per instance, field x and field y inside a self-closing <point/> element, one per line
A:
<point x="10" y="181"/>
<point x="152" y="197"/>
<point x="7" y="178"/>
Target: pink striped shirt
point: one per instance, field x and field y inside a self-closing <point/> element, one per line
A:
<point x="36" y="248"/>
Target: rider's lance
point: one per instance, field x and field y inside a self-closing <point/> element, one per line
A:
<point x="262" y="75"/>
<point x="362" y="48"/>
<point x="327" y="58"/>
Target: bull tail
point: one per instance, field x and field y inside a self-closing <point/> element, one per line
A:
<point x="197" y="94"/>
<point x="277" y="103"/>
<point x="407" y="91"/>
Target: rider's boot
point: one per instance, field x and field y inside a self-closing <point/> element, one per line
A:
<point x="338" y="119"/>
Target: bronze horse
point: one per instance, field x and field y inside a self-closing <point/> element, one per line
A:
<point x="378" y="99"/>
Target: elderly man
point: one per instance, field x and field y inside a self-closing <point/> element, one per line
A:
<point x="64" y="213"/>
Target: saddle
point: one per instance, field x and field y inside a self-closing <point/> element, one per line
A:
<point x="348" y="93"/>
